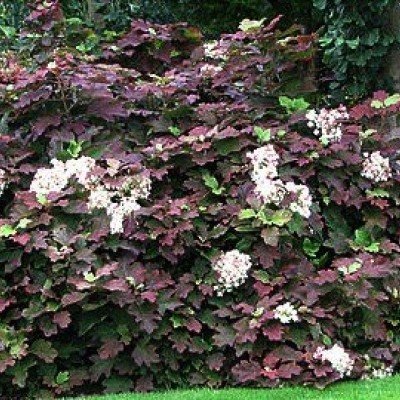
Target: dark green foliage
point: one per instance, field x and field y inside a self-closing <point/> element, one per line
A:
<point x="356" y="41"/>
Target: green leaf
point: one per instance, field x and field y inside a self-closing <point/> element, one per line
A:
<point x="8" y="31"/>
<point x="298" y="335"/>
<point x="353" y="43"/>
<point x="350" y="269"/>
<point x="262" y="276"/>
<point x="378" y="192"/>
<point x="293" y="105"/>
<point x="212" y="183"/>
<point x="247" y="213"/>
<point x="258" y="312"/>
<point x="281" y="133"/>
<point x="326" y="340"/>
<point x="89" y="277"/>
<point x="74" y="148"/>
<point x="367" y="133"/>
<point x="281" y="217"/>
<point x="392" y="100"/>
<point x="263" y="135"/>
<point x="245" y="243"/>
<point x="247" y="25"/>
<point x="23" y="223"/>
<point x="175" y="130"/>
<point x="177" y="321"/>
<point x="374" y="247"/>
<point x="354" y="267"/>
<point x="62" y="377"/>
<point x="362" y="238"/>
<point x="7" y="231"/>
<point x="319" y="4"/>
<point x="310" y="247"/>
<point x="118" y="384"/>
<point x="41" y="198"/>
<point x="377" y="104"/>
<point x="226" y="146"/>
<point x="44" y="350"/>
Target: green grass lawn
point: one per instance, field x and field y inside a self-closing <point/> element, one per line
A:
<point x="383" y="389"/>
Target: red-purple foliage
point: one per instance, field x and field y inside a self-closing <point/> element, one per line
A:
<point x="82" y="309"/>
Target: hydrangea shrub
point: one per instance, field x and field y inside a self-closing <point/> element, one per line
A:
<point x="165" y="222"/>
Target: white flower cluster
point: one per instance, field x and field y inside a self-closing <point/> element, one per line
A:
<point x="209" y="70"/>
<point x="118" y="199"/>
<point x="265" y="162"/>
<point x="327" y="123"/>
<point x="272" y="190"/>
<point x="304" y="200"/>
<point x="55" y="179"/>
<point x="232" y="269"/>
<point x="372" y="371"/>
<point x="378" y="373"/>
<point x="376" y="167"/>
<point x="286" y="313"/>
<point x="338" y="358"/>
<point x="2" y="181"/>
<point x="213" y="50"/>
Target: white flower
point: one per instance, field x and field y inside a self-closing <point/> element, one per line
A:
<point x="47" y="180"/>
<point x="271" y="191"/>
<point x="125" y="201"/>
<point x="232" y="269"/>
<point x="117" y="218"/>
<point x="99" y="197"/>
<point x="213" y="51"/>
<point x="80" y="168"/>
<point x="113" y="166"/>
<point x="382" y="372"/>
<point x="119" y="202"/>
<point x="209" y="70"/>
<point x="376" y="167"/>
<point x="159" y="147"/>
<point x="327" y="123"/>
<point x="338" y="358"/>
<point x="269" y="188"/>
<point x="55" y="179"/>
<point x="303" y="202"/>
<point x="265" y="161"/>
<point x="375" y="369"/>
<point x="2" y="181"/>
<point x="286" y="313"/>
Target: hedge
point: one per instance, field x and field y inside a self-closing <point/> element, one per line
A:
<point x="172" y="216"/>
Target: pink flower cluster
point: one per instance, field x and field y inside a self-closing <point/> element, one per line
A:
<point x="286" y="313"/>
<point x="118" y="196"/>
<point x="269" y="188"/>
<point x="376" y="168"/>
<point x="339" y="359"/>
<point x="327" y="124"/>
<point x="232" y="269"/>
<point x="56" y="178"/>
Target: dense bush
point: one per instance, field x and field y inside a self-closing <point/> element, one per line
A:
<point x="356" y="41"/>
<point x="260" y="254"/>
<point x="115" y="15"/>
<point x="356" y="37"/>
